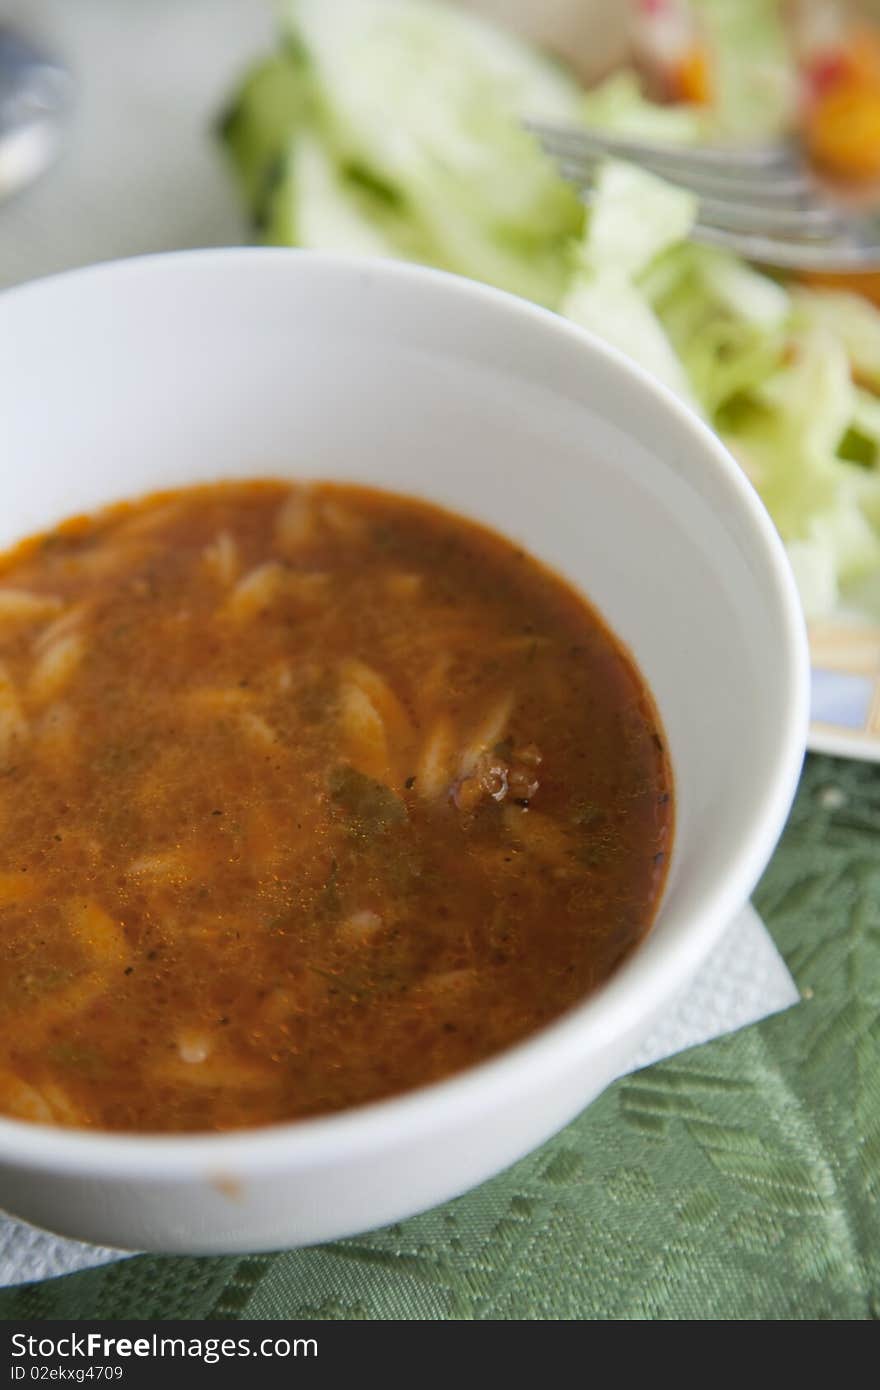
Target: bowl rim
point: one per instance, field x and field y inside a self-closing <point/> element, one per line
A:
<point x="605" y="1017"/>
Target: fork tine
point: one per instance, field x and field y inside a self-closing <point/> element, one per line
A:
<point x="711" y="158"/>
<point x="816" y="222"/>
<point x="787" y="185"/>
<point x="841" y="254"/>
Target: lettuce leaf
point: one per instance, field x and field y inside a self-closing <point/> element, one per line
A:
<point x="394" y="128"/>
<point x="425" y="103"/>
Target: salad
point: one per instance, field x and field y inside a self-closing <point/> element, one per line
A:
<point x="393" y="128"/>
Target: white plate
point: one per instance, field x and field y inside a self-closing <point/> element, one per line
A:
<point x="845" y="689"/>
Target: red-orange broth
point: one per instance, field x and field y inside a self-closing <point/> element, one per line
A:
<point x="307" y="796"/>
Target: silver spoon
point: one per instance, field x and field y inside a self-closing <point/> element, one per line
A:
<point x="36" y="96"/>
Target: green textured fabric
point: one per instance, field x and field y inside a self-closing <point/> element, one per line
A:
<point x="739" y="1180"/>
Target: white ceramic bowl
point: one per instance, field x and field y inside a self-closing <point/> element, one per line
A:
<point x="186" y="368"/>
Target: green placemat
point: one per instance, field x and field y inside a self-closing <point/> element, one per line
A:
<point x="738" y="1180"/>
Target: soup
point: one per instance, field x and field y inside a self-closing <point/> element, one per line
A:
<point x="310" y="795"/>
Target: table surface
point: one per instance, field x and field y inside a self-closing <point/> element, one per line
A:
<point x="739" y="1180"/>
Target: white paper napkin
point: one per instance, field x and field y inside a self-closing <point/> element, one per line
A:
<point x="744" y="980"/>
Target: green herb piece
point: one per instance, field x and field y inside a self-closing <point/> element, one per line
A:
<point x="370" y="807"/>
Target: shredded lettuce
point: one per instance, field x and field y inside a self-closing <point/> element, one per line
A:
<point x="853" y="320"/>
<point x="612" y="307"/>
<point x="865" y="424"/>
<point x="273" y="101"/>
<point x="422" y="104"/>
<point x="620" y="243"/>
<point x="754" y="77"/>
<point x="774" y="371"/>
<point x="725" y="321"/>
<point x="315" y="205"/>
<point x="625" y="232"/>
<point x="394" y="128"/>
<point x="617" y="104"/>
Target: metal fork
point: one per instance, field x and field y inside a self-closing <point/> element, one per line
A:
<point x="763" y="202"/>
